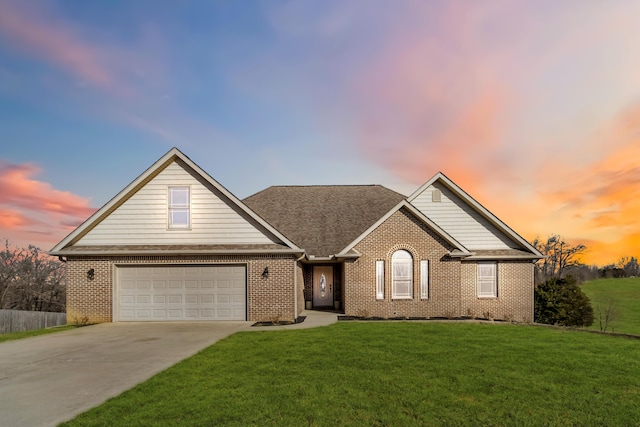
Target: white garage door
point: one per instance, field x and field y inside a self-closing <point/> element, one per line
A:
<point x="181" y="293"/>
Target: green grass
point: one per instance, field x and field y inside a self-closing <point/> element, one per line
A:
<point x="625" y="295"/>
<point x="26" y="334"/>
<point x="395" y="374"/>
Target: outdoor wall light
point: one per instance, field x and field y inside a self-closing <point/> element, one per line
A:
<point x="265" y="273"/>
<point x="91" y="274"/>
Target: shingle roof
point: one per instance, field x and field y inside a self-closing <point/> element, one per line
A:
<point x="323" y="220"/>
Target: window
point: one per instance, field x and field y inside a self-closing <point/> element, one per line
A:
<point x="487" y="280"/>
<point x="424" y="279"/>
<point x="402" y="274"/>
<point x="179" y="207"/>
<point x="379" y="279"/>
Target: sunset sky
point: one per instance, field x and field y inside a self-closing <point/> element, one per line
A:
<point x="533" y="107"/>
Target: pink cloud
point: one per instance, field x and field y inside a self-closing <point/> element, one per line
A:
<point x="32" y="211"/>
<point x="19" y="189"/>
<point x="507" y="107"/>
<point x="10" y="218"/>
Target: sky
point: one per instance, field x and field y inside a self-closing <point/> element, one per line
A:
<point x="532" y="107"/>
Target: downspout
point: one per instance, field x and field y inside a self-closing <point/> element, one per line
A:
<point x="61" y="259"/>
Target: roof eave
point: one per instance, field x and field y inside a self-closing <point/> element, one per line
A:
<point x="501" y="257"/>
<point x="128" y="252"/>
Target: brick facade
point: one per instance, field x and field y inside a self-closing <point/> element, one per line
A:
<point x="452" y="282"/>
<point x="515" y="292"/>
<point x="267" y="298"/>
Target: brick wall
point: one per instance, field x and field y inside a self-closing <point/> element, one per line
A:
<point x="267" y="299"/>
<point x="452" y="283"/>
<point x="89" y="300"/>
<point x="515" y="292"/>
<point x="402" y="231"/>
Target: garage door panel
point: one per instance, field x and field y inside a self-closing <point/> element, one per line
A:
<point x="181" y="293"/>
<point x="175" y="314"/>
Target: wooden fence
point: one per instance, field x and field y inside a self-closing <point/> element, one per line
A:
<point x="20" y="320"/>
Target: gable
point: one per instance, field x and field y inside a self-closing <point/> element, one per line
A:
<point x="401" y="229"/>
<point x="467" y="220"/>
<point x="142" y="218"/>
<point x="136" y="219"/>
<point x="459" y="219"/>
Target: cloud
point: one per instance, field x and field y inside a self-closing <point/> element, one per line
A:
<point x="32" y="211"/>
<point x="19" y="189"/>
<point x="11" y="219"/>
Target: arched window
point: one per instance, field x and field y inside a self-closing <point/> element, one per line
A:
<point x="402" y="275"/>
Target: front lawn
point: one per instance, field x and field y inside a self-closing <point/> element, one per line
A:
<point x="392" y="373"/>
<point x="621" y="294"/>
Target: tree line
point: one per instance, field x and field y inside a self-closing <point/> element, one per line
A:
<point x="31" y="280"/>
<point x="562" y="259"/>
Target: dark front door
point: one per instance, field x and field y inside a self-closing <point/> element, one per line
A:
<point x="323" y="286"/>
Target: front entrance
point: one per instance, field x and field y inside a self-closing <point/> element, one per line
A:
<point x="323" y="286"/>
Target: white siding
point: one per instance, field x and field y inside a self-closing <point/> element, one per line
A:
<point x="142" y="219"/>
<point x="461" y="221"/>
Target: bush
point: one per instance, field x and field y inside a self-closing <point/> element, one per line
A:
<point x="562" y="302"/>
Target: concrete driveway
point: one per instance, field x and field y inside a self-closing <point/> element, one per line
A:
<point x="49" y="379"/>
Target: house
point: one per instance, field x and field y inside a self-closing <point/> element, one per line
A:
<point x="176" y="245"/>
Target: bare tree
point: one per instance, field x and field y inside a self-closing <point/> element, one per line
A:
<point x="30" y="280"/>
<point x="560" y="257"/>
<point x="607" y="311"/>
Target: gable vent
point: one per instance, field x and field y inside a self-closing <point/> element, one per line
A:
<point x="436" y="195"/>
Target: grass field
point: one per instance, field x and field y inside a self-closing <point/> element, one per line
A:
<point x="26" y="334"/>
<point x="625" y="296"/>
<point x="395" y="374"/>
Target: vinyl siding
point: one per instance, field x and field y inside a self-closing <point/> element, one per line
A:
<point x="461" y="221"/>
<point x="142" y="219"/>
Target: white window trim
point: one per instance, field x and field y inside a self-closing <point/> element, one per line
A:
<point x="379" y="279"/>
<point x="424" y="279"/>
<point x="492" y="279"/>
<point x="171" y="208"/>
<point x="409" y="261"/>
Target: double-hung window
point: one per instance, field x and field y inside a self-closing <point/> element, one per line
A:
<point x="179" y="208"/>
<point x="402" y="275"/>
<point x="487" y="280"/>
